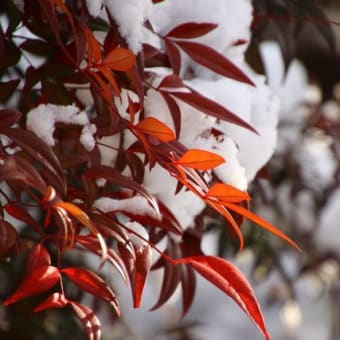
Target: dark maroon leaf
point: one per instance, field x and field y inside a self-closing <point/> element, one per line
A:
<point x="38" y="47"/>
<point x="91" y="243"/>
<point x="213" y="60"/>
<point x="8" y="117"/>
<point x="7" y="88"/>
<point x="191" y="30"/>
<point x="174" y="55"/>
<point x="16" y="168"/>
<point x="211" y="108"/>
<point x="35" y="147"/>
<point x="93" y="284"/>
<point x="174" y="111"/>
<point x="188" y="282"/>
<point x="8" y="236"/>
<point x="88" y="319"/>
<point x="39" y="280"/>
<point x="56" y="300"/>
<point x="149" y="51"/>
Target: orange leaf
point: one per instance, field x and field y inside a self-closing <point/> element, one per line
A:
<point x="107" y="73"/>
<point x="155" y="128"/>
<point x="227" y="193"/>
<point x="200" y="159"/>
<point x="119" y="59"/>
<point x="226" y="214"/>
<point x="260" y="221"/>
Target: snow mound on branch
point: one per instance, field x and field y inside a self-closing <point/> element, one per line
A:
<point x="42" y="119"/>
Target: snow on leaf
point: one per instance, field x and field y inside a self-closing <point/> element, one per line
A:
<point x="228" y="193"/>
<point x="38" y="281"/>
<point x="93" y="284"/>
<point x="156" y="128"/>
<point x="119" y="59"/>
<point x="200" y="159"/>
<point x="228" y="278"/>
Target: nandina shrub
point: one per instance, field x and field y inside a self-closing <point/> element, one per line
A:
<point x="59" y="120"/>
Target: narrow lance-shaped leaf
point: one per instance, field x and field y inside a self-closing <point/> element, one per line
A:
<point x="227" y="277"/>
<point x="174" y="55"/>
<point x="143" y="265"/>
<point x="38" y="281"/>
<point x="213" y="60"/>
<point x="260" y="221"/>
<point x="200" y="159"/>
<point x="93" y="284"/>
<point x="191" y="30"/>
<point x="155" y="128"/>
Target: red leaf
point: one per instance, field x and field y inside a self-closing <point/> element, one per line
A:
<point x="7" y="88"/>
<point x="174" y="55"/>
<point x="16" y="211"/>
<point x="39" y="280"/>
<point x="200" y="159"/>
<point x="227" y="277"/>
<point x="8" y="117"/>
<point x="37" y="257"/>
<point x="119" y="59"/>
<point x="89" y="320"/>
<point x="8" y="236"/>
<point x="188" y="282"/>
<point x="190" y="30"/>
<point x="142" y="268"/>
<point x="174" y="111"/>
<point x="214" y="61"/>
<point x="93" y="284"/>
<point x="227" y="193"/>
<point x="56" y="300"/>
<point x="200" y="102"/>
<point x="260" y="221"/>
<point x="155" y="128"/>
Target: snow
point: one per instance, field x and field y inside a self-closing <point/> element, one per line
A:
<point x="137" y="205"/>
<point x="42" y="119"/>
<point x="94" y="7"/>
<point x="140" y="231"/>
<point x="130" y="16"/>
<point x="327" y="233"/>
<point x="317" y="162"/>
